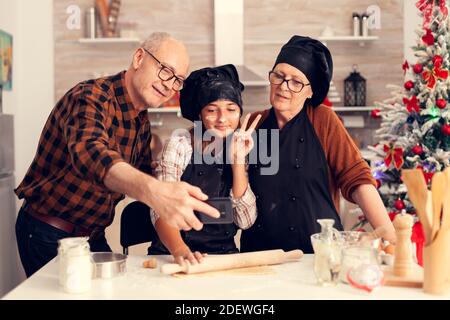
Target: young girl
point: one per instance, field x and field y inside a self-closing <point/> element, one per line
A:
<point x="212" y="98"/>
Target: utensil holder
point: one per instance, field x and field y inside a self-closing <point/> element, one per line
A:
<point x="436" y="263"/>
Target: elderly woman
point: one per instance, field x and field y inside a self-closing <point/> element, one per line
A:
<point x="317" y="157"/>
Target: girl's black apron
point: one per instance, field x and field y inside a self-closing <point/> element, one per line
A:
<point x="215" y="180"/>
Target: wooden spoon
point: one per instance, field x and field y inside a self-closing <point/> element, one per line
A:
<point x="418" y="193"/>
<point x="438" y="185"/>
<point x="429" y="209"/>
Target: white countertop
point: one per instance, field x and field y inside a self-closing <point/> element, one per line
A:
<point x="294" y="280"/>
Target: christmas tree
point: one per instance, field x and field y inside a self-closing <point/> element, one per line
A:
<point x="415" y="121"/>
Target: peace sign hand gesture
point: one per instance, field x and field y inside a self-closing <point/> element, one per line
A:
<point x="242" y="142"/>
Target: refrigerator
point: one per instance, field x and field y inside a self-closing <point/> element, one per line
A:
<point x="9" y="263"/>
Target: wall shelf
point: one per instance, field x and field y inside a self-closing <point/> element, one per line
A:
<point x="250" y="78"/>
<point x="156" y="120"/>
<point x="249" y="42"/>
<point x="108" y="40"/>
<point x="165" y="110"/>
<point x="352" y="109"/>
<point x="348" y="38"/>
<point x="361" y="40"/>
<point x="321" y="38"/>
<point x="350" y="120"/>
<point x="264" y="42"/>
<point x="129" y="40"/>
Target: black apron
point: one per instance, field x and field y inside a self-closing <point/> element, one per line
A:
<point x="290" y="201"/>
<point x="215" y="180"/>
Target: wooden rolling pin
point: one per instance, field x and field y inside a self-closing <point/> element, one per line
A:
<point x="234" y="261"/>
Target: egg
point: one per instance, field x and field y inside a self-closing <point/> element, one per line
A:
<point x="389" y="249"/>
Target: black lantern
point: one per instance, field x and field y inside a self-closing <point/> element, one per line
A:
<point x="355" y="89"/>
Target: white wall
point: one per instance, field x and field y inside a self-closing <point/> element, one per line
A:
<point x="411" y="22"/>
<point x="31" y="24"/>
<point x="228" y="38"/>
<point x="9" y="23"/>
<point x="36" y="73"/>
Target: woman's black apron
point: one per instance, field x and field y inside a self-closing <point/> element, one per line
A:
<point x="290" y="201"/>
<point x="215" y="180"/>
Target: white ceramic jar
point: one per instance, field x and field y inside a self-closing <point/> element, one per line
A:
<point x="75" y="265"/>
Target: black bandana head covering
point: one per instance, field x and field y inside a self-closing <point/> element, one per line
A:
<point x="207" y="85"/>
<point x="311" y="57"/>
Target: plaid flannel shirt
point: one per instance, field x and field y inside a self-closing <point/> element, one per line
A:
<point x="91" y="128"/>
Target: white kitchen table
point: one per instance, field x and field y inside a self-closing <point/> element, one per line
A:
<point x="293" y="280"/>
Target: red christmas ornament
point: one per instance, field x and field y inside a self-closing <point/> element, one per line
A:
<point x="437" y="61"/>
<point x="411" y="104"/>
<point x="393" y="155"/>
<point x="405" y="66"/>
<point x="427" y="7"/>
<point x="441" y="103"/>
<point x="399" y="204"/>
<point x="428" y="38"/>
<point x="446" y="129"/>
<point x="375" y="113"/>
<point x="378" y="183"/>
<point x="409" y="85"/>
<point x="428" y="176"/>
<point x="418" y="150"/>
<point x="431" y="76"/>
<point x="418" y="238"/>
<point x="327" y="102"/>
<point x="418" y="68"/>
<point x="392" y="215"/>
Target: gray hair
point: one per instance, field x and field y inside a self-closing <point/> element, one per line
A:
<point x="154" y="41"/>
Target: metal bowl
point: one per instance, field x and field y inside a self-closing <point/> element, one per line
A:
<point x="108" y="264"/>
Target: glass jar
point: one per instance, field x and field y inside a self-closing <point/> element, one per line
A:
<point x="358" y="248"/>
<point x="358" y="238"/>
<point x="75" y="266"/>
<point x="357" y="259"/>
<point x="327" y="247"/>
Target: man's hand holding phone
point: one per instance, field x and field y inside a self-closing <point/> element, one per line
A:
<point x="224" y="206"/>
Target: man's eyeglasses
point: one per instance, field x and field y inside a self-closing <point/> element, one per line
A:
<point x="166" y="74"/>
<point x="293" y="85"/>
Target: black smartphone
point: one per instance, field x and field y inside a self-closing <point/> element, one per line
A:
<point x="223" y="204"/>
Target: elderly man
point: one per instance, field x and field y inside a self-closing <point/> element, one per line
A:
<point x="94" y="148"/>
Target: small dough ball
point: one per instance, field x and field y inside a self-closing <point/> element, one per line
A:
<point x="389" y="249"/>
<point x="150" y="263"/>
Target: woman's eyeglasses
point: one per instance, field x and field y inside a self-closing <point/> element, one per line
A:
<point x="293" y="85"/>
